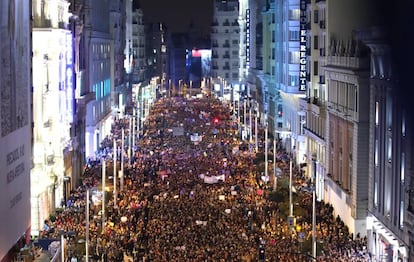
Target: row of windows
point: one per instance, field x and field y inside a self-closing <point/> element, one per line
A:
<point x="343" y="94"/>
<point x="101" y="48"/>
<point x="102" y="89"/>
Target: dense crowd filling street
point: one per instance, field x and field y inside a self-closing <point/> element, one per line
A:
<point x="192" y="192"/>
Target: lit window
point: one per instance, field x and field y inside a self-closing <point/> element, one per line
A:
<point x="376" y="153"/>
<point x="389" y="149"/>
<point x="402" y="214"/>
<point x="376" y="113"/>
<point x="403" y="125"/>
<point x="402" y="167"/>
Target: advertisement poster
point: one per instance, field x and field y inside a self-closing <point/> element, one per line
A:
<point x="15" y="121"/>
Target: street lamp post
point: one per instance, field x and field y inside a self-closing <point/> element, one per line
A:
<point x="129" y="140"/>
<point x="255" y="128"/>
<point x="266" y="150"/>
<point x="250" y="128"/>
<point x="244" y="115"/>
<point x="115" y="174"/>
<point x="103" y="193"/>
<point x="274" y="166"/>
<point x="313" y="207"/>
<point x="291" y="218"/>
<point x="133" y="130"/>
<point x="122" y="159"/>
<point x="87" y="226"/>
<point x="62" y="247"/>
<point x="290" y="189"/>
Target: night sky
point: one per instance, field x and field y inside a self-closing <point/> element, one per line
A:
<point x="178" y="14"/>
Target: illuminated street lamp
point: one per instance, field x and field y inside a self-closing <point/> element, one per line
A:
<point x="114" y="160"/>
<point x="313" y="207"/>
<point x="122" y="159"/>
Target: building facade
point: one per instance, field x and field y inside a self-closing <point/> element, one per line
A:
<point x="98" y="71"/>
<point x="389" y="220"/>
<point x="16" y="139"/>
<point x="226" y="49"/>
<point x="53" y="109"/>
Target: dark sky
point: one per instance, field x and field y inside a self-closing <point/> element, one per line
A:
<point x="177" y="14"/>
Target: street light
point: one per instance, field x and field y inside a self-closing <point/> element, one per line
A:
<point x="103" y="193"/>
<point x="291" y="218"/>
<point x="122" y="159"/>
<point x="87" y="226"/>
<point x="115" y="153"/>
<point x="313" y="207"/>
<point x="266" y="149"/>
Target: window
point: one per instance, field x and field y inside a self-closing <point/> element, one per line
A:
<point x="376" y="113"/>
<point x="389" y="112"/>
<point x="389" y="154"/>
<point x="403" y="125"/>
<point x="315" y="16"/>
<point x="294" y="14"/>
<point x="402" y="175"/>
<point x="315" y="68"/>
<point x="294" y="57"/>
<point x="293" y="35"/>
<point x="293" y="80"/>
<point x="315" y="42"/>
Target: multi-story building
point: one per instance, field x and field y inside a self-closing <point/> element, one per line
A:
<point x="336" y="124"/>
<point x="121" y="93"/>
<point x="118" y="33"/>
<point x="390" y="210"/>
<point x="225" y="45"/>
<point x="16" y="139"/>
<point x="139" y="63"/>
<point x="275" y="109"/>
<point x="177" y="58"/>
<point x="53" y="109"/>
<point x="96" y="60"/>
<point x="287" y="80"/>
<point x="157" y="41"/>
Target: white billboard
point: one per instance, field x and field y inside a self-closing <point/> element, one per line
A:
<point x="15" y="131"/>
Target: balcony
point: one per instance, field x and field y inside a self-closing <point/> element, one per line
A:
<point x="348" y="62"/>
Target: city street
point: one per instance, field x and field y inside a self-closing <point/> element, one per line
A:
<point x="192" y="191"/>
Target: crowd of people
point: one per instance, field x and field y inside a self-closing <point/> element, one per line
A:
<point x="191" y="193"/>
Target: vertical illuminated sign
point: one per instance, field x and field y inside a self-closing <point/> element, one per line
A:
<point x="248" y="38"/>
<point x="69" y="76"/>
<point x="302" y="45"/>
